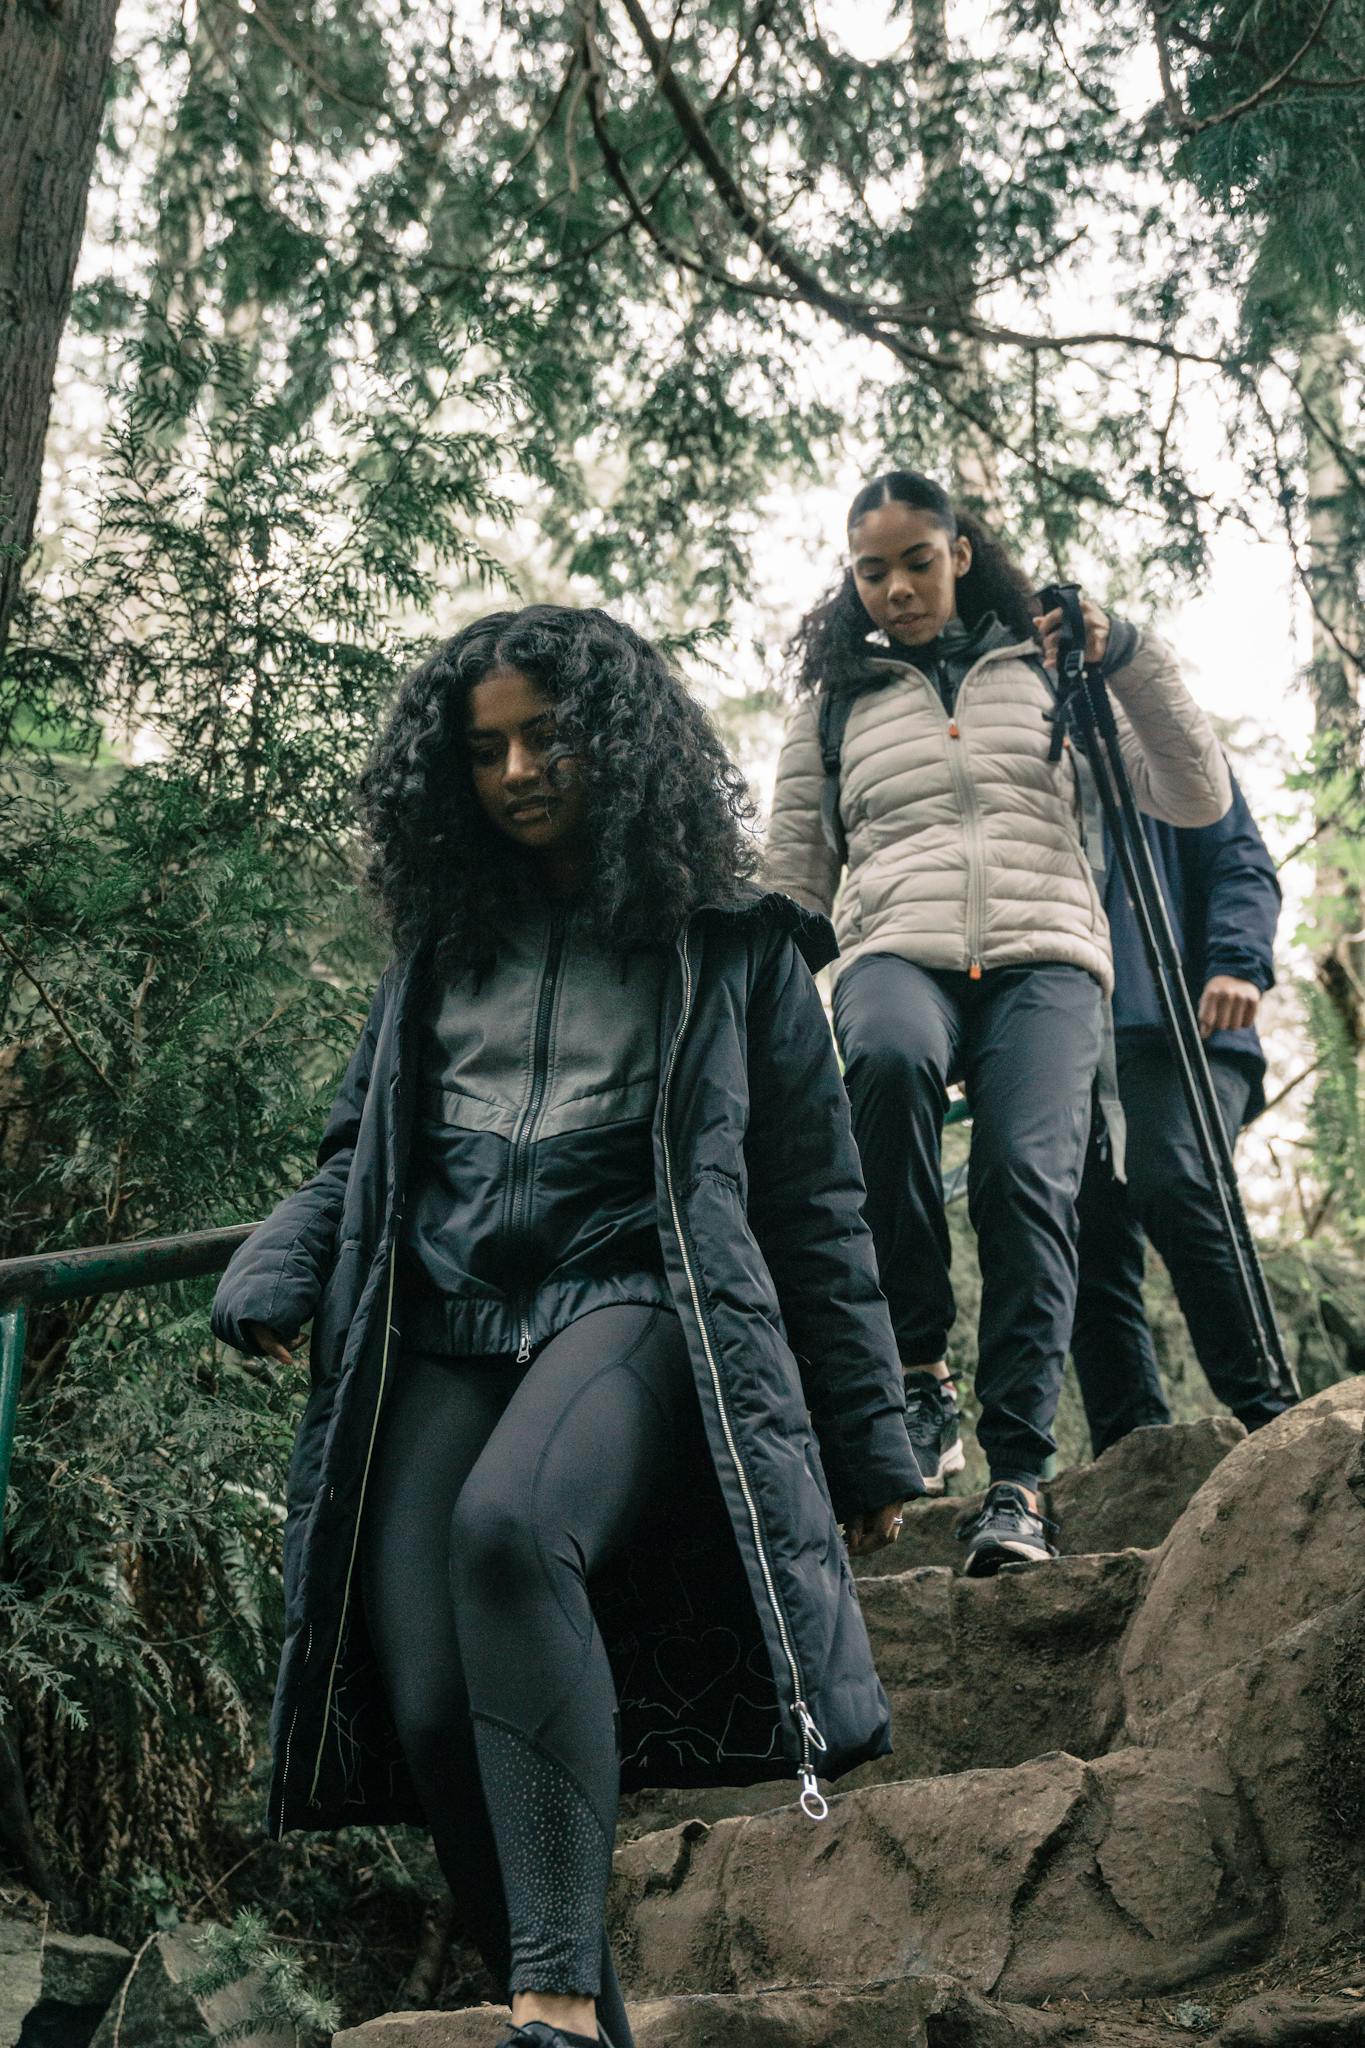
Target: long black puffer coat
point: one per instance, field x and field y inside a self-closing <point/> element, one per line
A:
<point x="737" y="1642"/>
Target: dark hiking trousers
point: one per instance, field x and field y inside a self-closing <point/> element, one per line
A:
<point x="1166" y="1198"/>
<point x="497" y="1491"/>
<point x="1026" y="1041"/>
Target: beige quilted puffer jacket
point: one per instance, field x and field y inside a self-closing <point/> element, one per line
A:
<point x="964" y="841"/>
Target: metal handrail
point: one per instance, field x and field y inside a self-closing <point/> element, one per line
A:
<point x="143" y="1262"/>
<point x="79" y="1276"/>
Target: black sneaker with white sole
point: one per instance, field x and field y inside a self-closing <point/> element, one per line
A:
<point x="1004" y="1530"/>
<point x="934" y="1423"/>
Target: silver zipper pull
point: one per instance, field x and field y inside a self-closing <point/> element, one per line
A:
<point x="809" y="1729"/>
<point x="524" y="1355"/>
<point x="814" y="1804"/>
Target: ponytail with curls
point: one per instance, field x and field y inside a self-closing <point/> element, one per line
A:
<point x="831" y="644"/>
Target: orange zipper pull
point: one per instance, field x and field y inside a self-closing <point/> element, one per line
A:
<point x="974" y="971"/>
<point x="953" y="732"/>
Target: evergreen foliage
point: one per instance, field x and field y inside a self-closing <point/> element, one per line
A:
<point x="281" y="1993"/>
<point x="185" y="963"/>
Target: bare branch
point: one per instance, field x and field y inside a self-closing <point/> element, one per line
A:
<point x="811" y="287"/>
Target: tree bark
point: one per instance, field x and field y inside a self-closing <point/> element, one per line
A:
<point x="54" y="64"/>
<point x="1334" y="571"/>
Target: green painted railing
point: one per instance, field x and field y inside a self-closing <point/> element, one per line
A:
<point x="76" y="1276"/>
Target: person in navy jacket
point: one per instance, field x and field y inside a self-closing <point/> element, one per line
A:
<point x="1220" y="888"/>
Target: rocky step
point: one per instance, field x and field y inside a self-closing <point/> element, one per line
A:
<point x="1133" y="1874"/>
<point x="1128" y="1499"/>
<point x="920" y="2012"/>
<point x="1238" y="1646"/>
<point x="1226" y="1821"/>
<point x="54" y="1986"/>
<point x="981" y="1673"/>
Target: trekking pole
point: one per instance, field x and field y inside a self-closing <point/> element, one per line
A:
<point x="1082" y="696"/>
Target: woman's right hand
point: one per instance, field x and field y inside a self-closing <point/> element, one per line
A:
<point x="874" y="1529"/>
<point x="272" y="1343"/>
<point x="1049" y="625"/>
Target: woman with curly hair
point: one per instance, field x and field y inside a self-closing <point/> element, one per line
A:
<point x="923" y="766"/>
<point x="586" y="1267"/>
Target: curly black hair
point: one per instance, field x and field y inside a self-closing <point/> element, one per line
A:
<point x="669" y="814"/>
<point x="830" y="644"/>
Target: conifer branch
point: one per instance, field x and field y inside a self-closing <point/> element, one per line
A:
<point x="1186" y="123"/>
<point x="56" y="1012"/>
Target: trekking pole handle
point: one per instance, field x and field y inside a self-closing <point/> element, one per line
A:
<point x="1066" y="598"/>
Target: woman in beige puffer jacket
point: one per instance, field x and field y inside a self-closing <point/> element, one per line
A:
<point x="974" y="946"/>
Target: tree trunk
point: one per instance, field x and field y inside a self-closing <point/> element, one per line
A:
<point x="54" y="62"/>
<point x="1334" y="571"/>
<point x="945" y="208"/>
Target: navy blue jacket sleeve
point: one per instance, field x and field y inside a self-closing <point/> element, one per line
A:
<point x="278" y="1275"/>
<point x="1236" y="879"/>
<point x="806" y="1210"/>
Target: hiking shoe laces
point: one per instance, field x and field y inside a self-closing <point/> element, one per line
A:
<point x="934" y="1424"/>
<point x="1004" y="1530"/>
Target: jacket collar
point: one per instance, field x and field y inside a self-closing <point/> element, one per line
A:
<point x="885" y="665"/>
<point x="811" y="931"/>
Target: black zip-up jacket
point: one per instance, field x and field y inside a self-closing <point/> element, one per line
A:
<point x="532" y="1180"/>
<point x="736" y="1638"/>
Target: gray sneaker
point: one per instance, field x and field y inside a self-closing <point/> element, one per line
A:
<point x="1004" y="1530"/>
<point x="934" y="1423"/>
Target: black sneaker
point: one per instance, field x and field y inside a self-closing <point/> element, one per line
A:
<point x="935" y="1426"/>
<point x="1004" y="1530"/>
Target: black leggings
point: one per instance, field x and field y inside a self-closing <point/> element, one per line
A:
<point x="1026" y="1040"/>
<point x="496" y="1492"/>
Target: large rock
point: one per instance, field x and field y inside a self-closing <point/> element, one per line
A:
<point x="54" y="1987"/>
<point x="157" y="2007"/>
<point x="1135" y="1493"/>
<point x="984" y="1673"/>
<point x="1288" y="2019"/>
<point x="1130" y="1498"/>
<point x="1272" y="1537"/>
<point x="1288" y="1723"/>
<point x="1120" y="1877"/>
<point x="477" y="2026"/>
<point x="918" y="2012"/>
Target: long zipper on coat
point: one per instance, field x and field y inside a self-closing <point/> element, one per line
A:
<point x="971" y="827"/>
<point x="524" y="1134"/>
<point x="359" y="1513"/>
<point x="813" y="1802"/>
